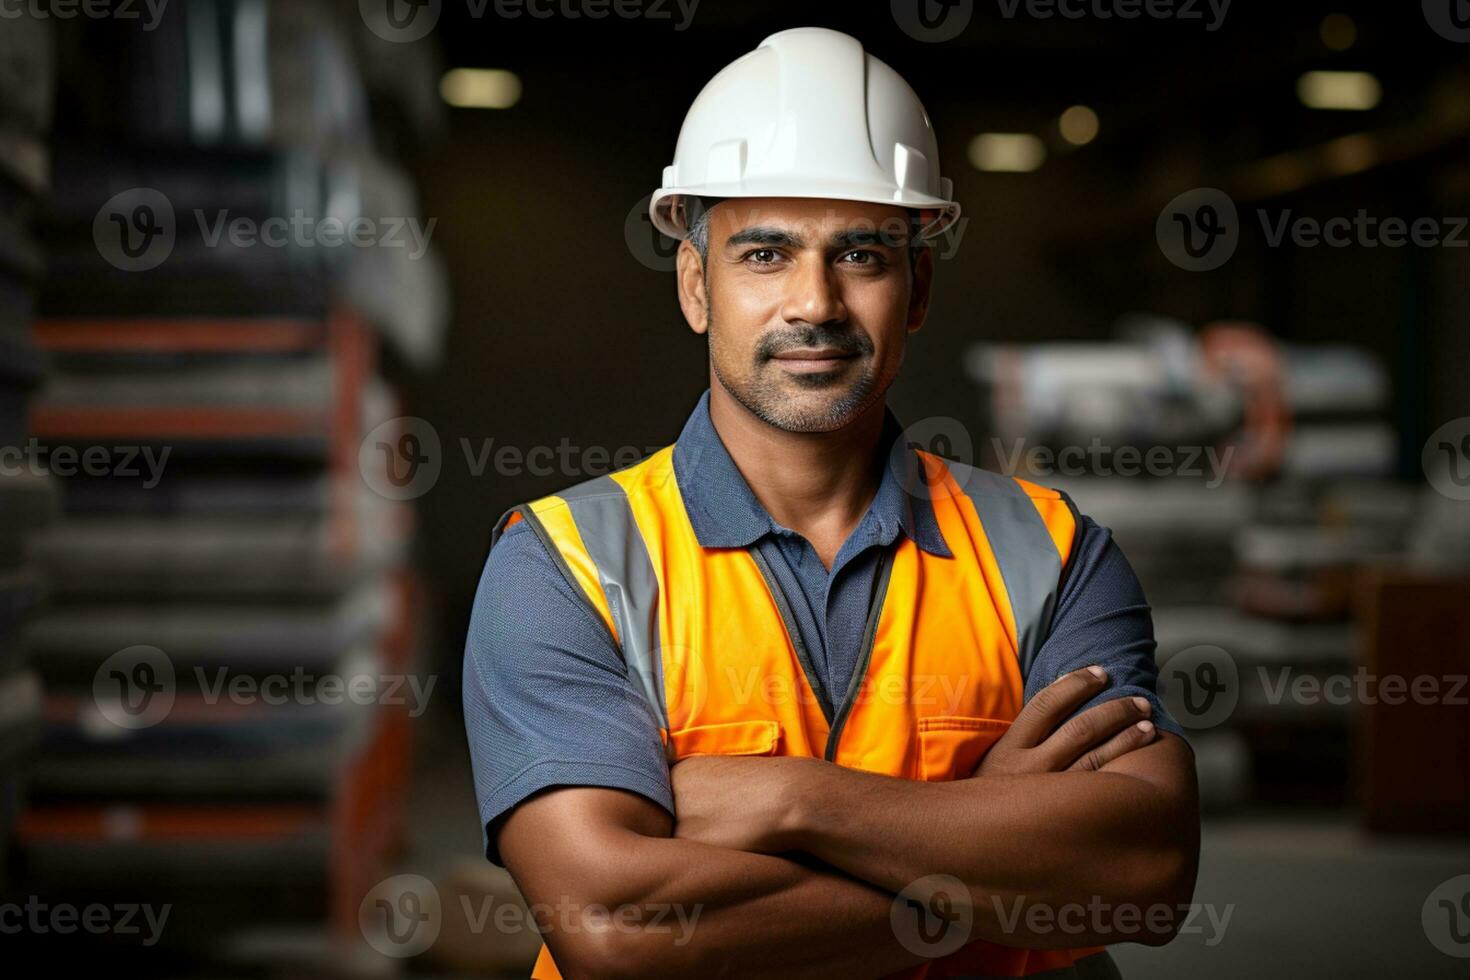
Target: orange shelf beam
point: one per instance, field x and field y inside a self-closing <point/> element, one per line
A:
<point x="162" y="424"/>
<point x="161" y="335"/>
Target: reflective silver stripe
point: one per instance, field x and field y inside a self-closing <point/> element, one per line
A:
<point x="1029" y="561"/>
<point x="605" y="520"/>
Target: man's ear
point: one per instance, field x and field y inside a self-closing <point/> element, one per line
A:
<point x="923" y="283"/>
<point x="693" y="296"/>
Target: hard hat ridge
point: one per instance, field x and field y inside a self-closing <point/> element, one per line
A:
<point x="808" y="113"/>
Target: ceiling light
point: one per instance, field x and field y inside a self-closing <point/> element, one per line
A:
<point x="1353" y="90"/>
<point x="1007" y="152"/>
<point x="480" y="88"/>
<point x="1078" y="125"/>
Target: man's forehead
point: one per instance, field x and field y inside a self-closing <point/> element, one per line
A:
<point x="810" y="219"/>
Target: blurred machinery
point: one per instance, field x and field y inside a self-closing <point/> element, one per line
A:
<point x="1250" y="484"/>
<point x="228" y="663"/>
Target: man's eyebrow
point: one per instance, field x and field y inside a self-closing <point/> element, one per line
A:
<point x="855" y="237"/>
<point x="762" y="235"/>
<point x="848" y="238"/>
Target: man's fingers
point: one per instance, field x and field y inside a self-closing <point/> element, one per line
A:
<point x="1090" y="729"/>
<point x="1053" y="704"/>
<point x="1135" y="736"/>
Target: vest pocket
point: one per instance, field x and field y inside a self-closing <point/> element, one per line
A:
<point x="951" y="746"/>
<point x="728" y="738"/>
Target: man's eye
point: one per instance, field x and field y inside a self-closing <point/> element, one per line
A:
<point x="861" y="256"/>
<point x="764" y="256"/>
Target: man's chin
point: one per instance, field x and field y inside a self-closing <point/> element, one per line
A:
<point x="812" y="408"/>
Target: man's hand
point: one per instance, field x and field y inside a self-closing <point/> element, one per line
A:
<point x="737" y="802"/>
<point x="743" y="802"/>
<point x="1042" y="739"/>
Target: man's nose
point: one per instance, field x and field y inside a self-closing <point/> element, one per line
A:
<point x="814" y="295"/>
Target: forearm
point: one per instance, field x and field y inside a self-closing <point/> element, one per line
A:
<point x="680" y="908"/>
<point x="1110" y="839"/>
<point x="808" y="921"/>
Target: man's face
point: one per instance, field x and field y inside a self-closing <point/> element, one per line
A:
<point x="808" y="304"/>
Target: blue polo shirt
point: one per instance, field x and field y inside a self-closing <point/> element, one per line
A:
<point x="547" y="701"/>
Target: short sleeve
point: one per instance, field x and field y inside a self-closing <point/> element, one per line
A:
<point x="547" y="700"/>
<point x="1102" y="618"/>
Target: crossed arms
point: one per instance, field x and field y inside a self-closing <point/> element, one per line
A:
<point x="791" y="865"/>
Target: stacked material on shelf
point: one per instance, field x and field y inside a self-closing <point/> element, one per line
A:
<point x="245" y="576"/>
<point x="246" y="232"/>
<point x="1298" y="570"/>
<point x="1254" y="554"/>
<point x="27" y="92"/>
<point x="26" y="503"/>
<point x="1331" y="511"/>
<point x="228" y="665"/>
<point x="261" y="113"/>
<point x="1177" y="533"/>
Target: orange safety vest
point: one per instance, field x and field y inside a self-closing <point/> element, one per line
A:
<point x="709" y="641"/>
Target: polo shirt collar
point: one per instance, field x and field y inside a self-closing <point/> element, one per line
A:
<point x="725" y="512"/>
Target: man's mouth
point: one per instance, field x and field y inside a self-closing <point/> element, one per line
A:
<point x="814" y="360"/>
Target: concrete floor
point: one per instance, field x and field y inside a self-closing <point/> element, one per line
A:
<point x="1307" y="893"/>
<point x="1312" y="896"/>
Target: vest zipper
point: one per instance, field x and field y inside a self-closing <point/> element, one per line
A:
<point x="870" y="635"/>
<point x="803" y="656"/>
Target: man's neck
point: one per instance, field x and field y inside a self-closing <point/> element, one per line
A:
<point x="818" y="484"/>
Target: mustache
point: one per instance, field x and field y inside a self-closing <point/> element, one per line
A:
<point x="841" y="339"/>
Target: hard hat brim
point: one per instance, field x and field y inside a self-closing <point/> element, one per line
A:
<point x="669" y="214"/>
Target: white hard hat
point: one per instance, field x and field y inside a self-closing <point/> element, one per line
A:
<point x="809" y="113"/>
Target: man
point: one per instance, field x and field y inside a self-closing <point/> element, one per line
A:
<point x="791" y="697"/>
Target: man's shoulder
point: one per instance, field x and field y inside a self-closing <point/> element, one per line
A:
<point x="636" y="477"/>
<point x="977" y="480"/>
<point x="518" y="524"/>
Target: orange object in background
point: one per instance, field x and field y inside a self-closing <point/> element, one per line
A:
<point x="1251" y="360"/>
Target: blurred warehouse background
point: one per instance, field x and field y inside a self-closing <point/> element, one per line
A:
<point x="297" y="297"/>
